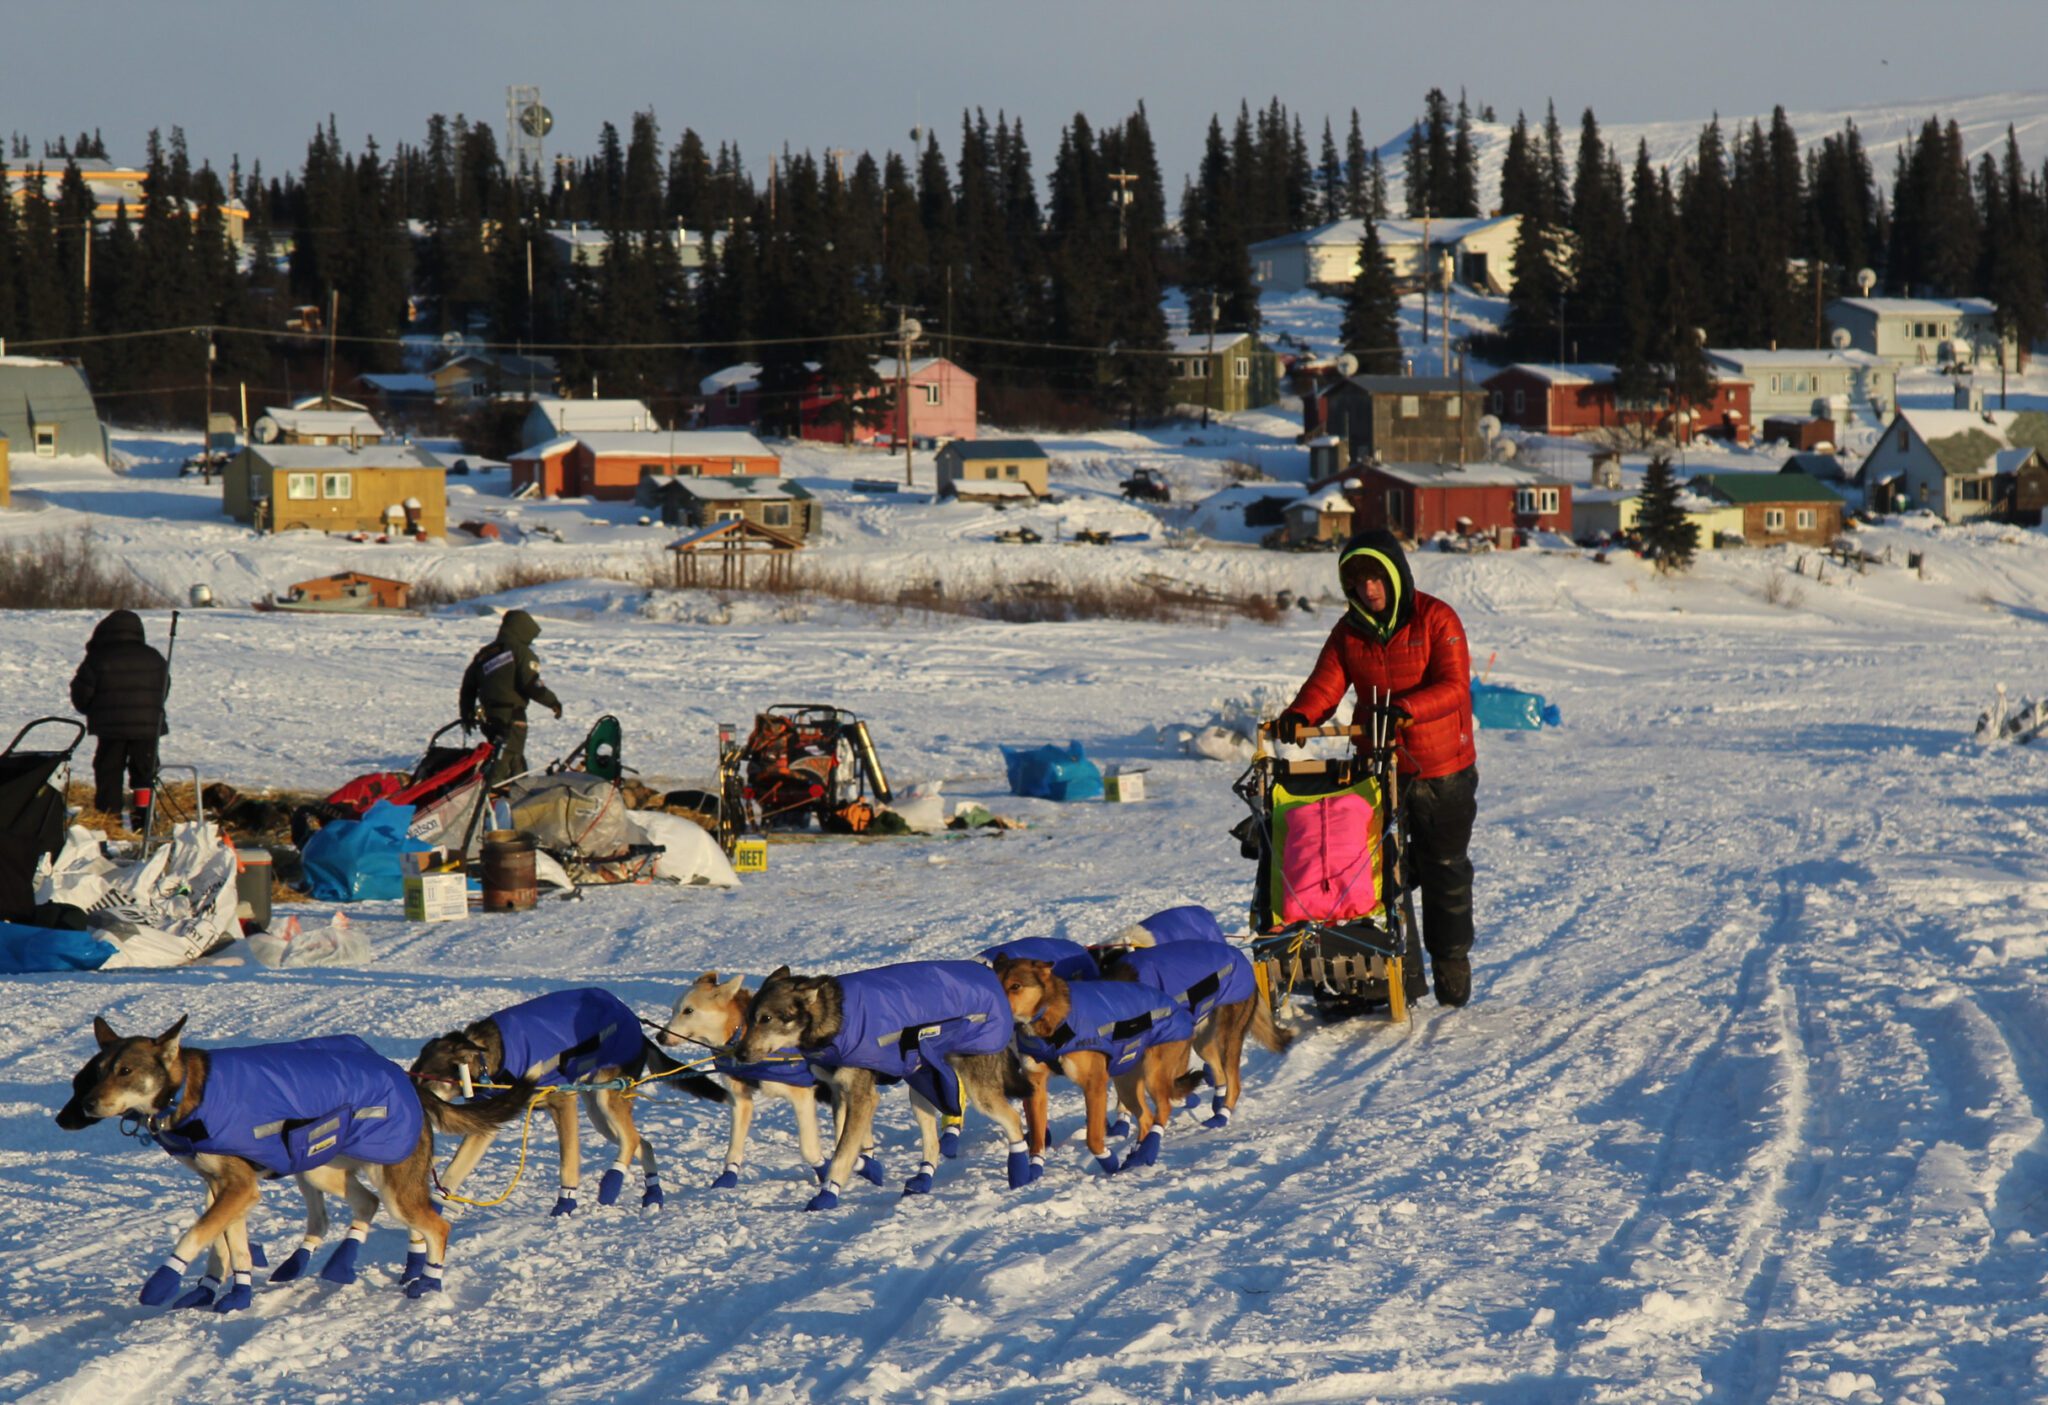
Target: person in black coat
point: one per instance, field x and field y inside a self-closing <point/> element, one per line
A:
<point x="121" y="688"/>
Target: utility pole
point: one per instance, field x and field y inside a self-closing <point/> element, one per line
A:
<point x="1209" y="365"/>
<point x="1123" y="198"/>
<point x="1444" y="270"/>
<point x="88" y="273"/>
<point x="206" y="417"/>
<point x="333" y="314"/>
<point x="837" y="156"/>
<point x="1423" y="264"/>
<point x="908" y="330"/>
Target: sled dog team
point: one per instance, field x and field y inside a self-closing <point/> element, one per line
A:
<point x="342" y="1119"/>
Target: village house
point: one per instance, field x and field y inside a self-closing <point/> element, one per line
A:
<point x="1225" y="371"/>
<point x="1601" y="515"/>
<point x="1398" y="419"/>
<point x="1957" y="464"/>
<point x="1796" y="383"/>
<point x="1420" y="500"/>
<point x="943" y="402"/>
<point x="1482" y="252"/>
<point x="1577" y="398"/>
<point x="1926" y="331"/>
<point x="551" y="418"/>
<point x="1776" y="507"/>
<point x="47" y="410"/>
<point x="610" y="465"/>
<point x="779" y="505"/>
<point x="994" y="470"/>
<point x="336" y="488"/>
<point x="337" y="422"/>
<point x="1321" y="519"/>
<point x="587" y="246"/>
<point x="478" y="375"/>
<point x="110" y="185"/>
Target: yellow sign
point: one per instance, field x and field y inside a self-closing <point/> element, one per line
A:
<point x="750" y="856"/>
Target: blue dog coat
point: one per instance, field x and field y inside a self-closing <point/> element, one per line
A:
<point x="904" y="1021"/>
<point x="1199" y="975"/>
<point x="293" y="1107"/>
<point x="796" y="1073"/>
<point x="1115" y="1018"/>
<point x="1070" y="961"/>
<point x="1191" y="923"/>
<point x="568" y="1036"/>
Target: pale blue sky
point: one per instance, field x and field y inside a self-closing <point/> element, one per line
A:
<point x="255" y="76"/>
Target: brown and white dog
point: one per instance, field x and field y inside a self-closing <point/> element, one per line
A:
<point x="166" y="1087"/>
<point x="713" y="1014"/>
<point x="1099" y="1034"/>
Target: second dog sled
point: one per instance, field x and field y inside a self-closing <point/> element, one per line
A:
<point x="1333" y="915"/>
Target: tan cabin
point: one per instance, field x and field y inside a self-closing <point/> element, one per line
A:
<point x="385" y="488"/>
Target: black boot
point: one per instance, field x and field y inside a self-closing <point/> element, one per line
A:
<point x="1453" y="980"/>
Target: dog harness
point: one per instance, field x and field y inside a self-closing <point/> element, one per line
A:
<point x="294" y="1107"/>
<point x="1199" y="975"/>
<point x="1070" y="961"/>
<point x="904" y="1021"/>
<point x="1118" y="1019"/>
<point x="568" y="1036"/>
<point x="1190" y="923"/>
<point x="796" y="1072"/>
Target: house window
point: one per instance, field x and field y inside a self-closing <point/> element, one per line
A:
<point x="651" y="470"/>
<point x="1520" y="402"/>
<point x="1774" y="382"/>
<point x="46" y="441"/>
<point x="732" y="396"/>
<point x="1198" y="368"/>
<point x="726" y="514"/>
<point x="302" y="487"/>
<point x="1804" y="518"/>
<point x="337" y="485"/>
<point x="1265" y="270"/>
<point x="1010" y="470"/>
<point x="1244" y="368"/>
<point x="1774" y="519"/>
<point x="685" y="470"/>
<point x="931" y="394"/>
<point x="1411" y="406"/>
<point x="1493" y="401"/>
<point x="1536" y="501"/>
<point x="739" y="466"/>
<point x="775" y="514"/>
<point x="1454" y="406"/>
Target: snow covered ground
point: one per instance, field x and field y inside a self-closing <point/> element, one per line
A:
<point x="1749" y="1105"/>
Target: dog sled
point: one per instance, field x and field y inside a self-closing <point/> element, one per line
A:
<point x="446" y="789"/>
<point x="803" y="762"/>
<point x="577" y="813"/>
<point x="1332" y="915"/>
<point x="32" y="813"/>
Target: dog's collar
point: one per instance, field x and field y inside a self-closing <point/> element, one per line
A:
<point x="166" y="1116"/>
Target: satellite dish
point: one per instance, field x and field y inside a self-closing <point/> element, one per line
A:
<point x="1489" y="426"/>
<point x="535" y="120"/>
<point x="1840" y="338"/>
<point x="1866" y="279"/>
<point x="1505" y="450"/>
<point x="266" y="430"/>
<point x="1347" y="365"/>
<point x="911" y="329"/>
<point x="917" y="134"/>
<point x="1699" y="335"/>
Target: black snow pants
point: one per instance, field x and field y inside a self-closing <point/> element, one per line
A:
<point x="1440" y="811"/>
<point x="134" y="755"/>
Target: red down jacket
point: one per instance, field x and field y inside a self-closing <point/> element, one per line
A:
<point x="1417" y="653"/>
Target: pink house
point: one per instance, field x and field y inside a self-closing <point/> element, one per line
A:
<point x="942" y="402"/>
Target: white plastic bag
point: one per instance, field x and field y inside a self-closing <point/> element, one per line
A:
<point x="339" y="943"/>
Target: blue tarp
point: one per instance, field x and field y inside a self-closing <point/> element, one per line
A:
<point x="1511" y="709"/>
<point x="1053" y="772"/>
<point x="357" y="860"/>
<point x="24" y="948"/>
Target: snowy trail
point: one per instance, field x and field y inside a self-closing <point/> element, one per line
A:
<point x="1750" y="1106"/>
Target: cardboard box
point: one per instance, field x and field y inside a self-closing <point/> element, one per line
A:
<point x="1123" y="787"/>
<point x="436" y="897"/>
<point x="750" y="856"/>
<point x="417" y="861"/>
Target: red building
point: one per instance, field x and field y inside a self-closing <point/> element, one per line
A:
<point x="611" y="465"/>
<point x="1419" y="500"/>
<point x="943" y="402"/>
<point x="1574" y="399"/>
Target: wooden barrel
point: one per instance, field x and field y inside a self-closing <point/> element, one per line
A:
<point x="508" y="876"/>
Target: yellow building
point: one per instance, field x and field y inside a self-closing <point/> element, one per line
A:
<point x="333" y="488"/>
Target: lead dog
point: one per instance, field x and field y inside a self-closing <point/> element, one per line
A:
<point x="1100" y="1033"/>
<point x="332" y="1112"/>
<point x="943" y="1027"/>
<point x="713" y="1015"/>
<point x="585" y="1036"/>
<point x="1212" y="980"/>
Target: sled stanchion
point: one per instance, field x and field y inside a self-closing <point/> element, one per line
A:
<point x="1397" y="991"/>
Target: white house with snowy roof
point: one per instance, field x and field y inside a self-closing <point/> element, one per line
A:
<point x="1482" y="253"/>
<point x="1926" y="331"/>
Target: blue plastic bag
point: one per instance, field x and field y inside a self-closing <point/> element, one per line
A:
<point x="1053" y="772"/>
<point x="1510" y="709"/>
<point x="357" y="860"/>
<point x="26" y="948"/>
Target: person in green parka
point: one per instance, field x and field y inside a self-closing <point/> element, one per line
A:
<point x="496" y="687"/>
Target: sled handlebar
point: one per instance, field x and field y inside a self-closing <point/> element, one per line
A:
<point x="1270" y="729"/>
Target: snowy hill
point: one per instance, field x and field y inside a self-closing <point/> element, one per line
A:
<point x="1884" y="128"/>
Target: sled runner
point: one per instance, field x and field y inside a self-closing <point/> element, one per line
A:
<point x="1332" y="914"/>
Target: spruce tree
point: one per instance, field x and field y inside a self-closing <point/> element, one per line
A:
<point x="1330" y="190"/>
<point x="1371" y="329"/>
<point x="1464" y="179"/>
<point x="1357" y="198"/>
<point x="1669" y="537"/>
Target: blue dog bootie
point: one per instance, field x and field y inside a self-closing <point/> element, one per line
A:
<point x="1219" y="1113"/>
<point x="341" y="1265"/>
<point x="429" y="1281"/>
<point x="297" y="1262"/>
<point x="609" y="1186"/>
<point x="159" y="1287"/>
<point x="1146" y="1152"/>
<point x="565" y="1202"/>
<point x="949" y="1138"/>
<point x="825" y="1199"/>
<point x="651" y="1197"/>
<point x="240" y="1296"/>
<point x="1121" y="1127"/>
<point x="1019" y="1167"/>
<point x="1108" y="1164"/>
<point x="257" y="1258"/>
<point x="870" y="1168"/>
<point x="729" y="1178"/>
<point x="822" y="1170"/>
<point x="1037" y="1168"/>
<point x="200" y="1296"/>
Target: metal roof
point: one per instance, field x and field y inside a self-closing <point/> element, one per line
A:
<point x="1751" y="489"/>
<point x="969" y="449"/>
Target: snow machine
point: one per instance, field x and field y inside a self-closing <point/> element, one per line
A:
<point x="446" y="789"/>
<point x="806" y="761"/>
<point x="1146" y="485"/>
<point x="1332" y="914"/>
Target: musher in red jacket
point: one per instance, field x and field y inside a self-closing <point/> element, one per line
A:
<point x="1411" y="648"/>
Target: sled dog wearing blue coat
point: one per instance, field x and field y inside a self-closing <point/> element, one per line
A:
<point x="1099" y="1034"/>
<point x="942" y="1027"/>
<point x="713" y="1014"/>
<point x="557" y="1041"/>
<point x="1182" y="952"/>
<point x="332" y="1112"/>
